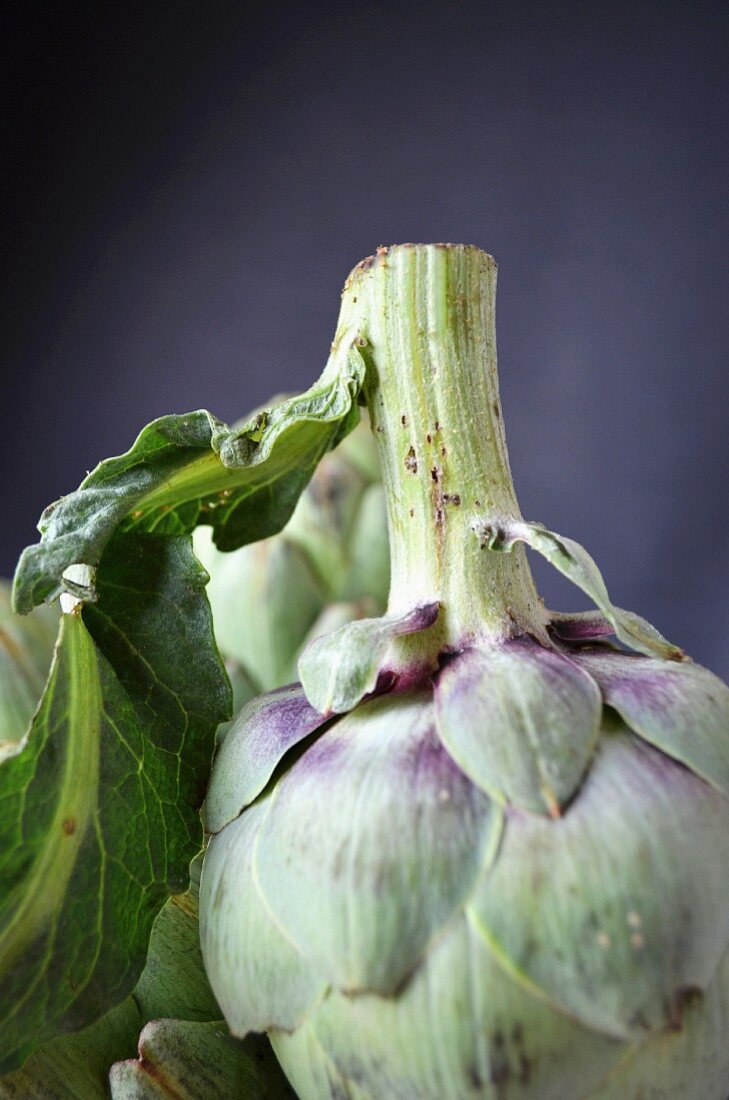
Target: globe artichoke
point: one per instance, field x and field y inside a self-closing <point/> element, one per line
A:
<point x="482" y="848"/>
<point x="329" y="565"/>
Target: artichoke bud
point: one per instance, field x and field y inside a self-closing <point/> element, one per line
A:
<point x="482" y="849"/>
<point x="266" y="597"/>
<point x="26" y="651"/>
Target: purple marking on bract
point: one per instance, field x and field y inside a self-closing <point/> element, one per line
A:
<point x="262" y="733"/>
<point x="581" y="627"/>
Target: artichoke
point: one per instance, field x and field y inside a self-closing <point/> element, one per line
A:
<point x="329" y="565"/>
<point x="482" y="848"/>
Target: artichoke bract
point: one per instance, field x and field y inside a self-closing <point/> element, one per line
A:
<point x="328" y="566"/>
<point x="482" y="848"/>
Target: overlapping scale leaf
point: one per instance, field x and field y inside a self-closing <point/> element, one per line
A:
<point x="258" y="739"/>
<point x="337" y="670"/>
<point x="179" y="1060"/>
<point x="680" y="707"/>
<point x="522" y="721"/>
<point x="686" y="1063"/>
<point x="617" y="909"/>
<point x="372" y="841"/>
<point x="462" y="1029"/>
<point x="258" y="976"/>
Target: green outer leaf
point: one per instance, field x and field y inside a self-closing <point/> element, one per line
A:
<point x="616" y="909"/>
<point x="337" y="670"/>
<point x="26" y="650"/>
<point x="521" y="721"/>
<point x="372" y="840"/>
<point x="100" y="816"/>
<point x="261" y="980"/>
<point x="174" y="982"/>
<point x="461" y="1029"/>
<point x="681" y="708"/>
<point x="76" y="1067"/>
<point x="573" y="561"/>
<point x="192" y="469"/>
<point x="187" y="1061"/>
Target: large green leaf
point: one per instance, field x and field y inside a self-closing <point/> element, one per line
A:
<point x="99" y="805"/>
<point x="189" y="470"/>
<point x="100" y="802"/>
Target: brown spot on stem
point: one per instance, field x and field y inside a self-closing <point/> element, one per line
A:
<point x="404" y="420"/>
<point x="429" y="438"/>
<point x="452" y="498"/>
<point x="69" y="826"/>
<point x="411" y="462"/>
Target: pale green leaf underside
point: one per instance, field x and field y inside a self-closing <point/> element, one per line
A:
<point x="189" y="470"/>
<point x="573" y="561"/>
<point x="371" y="842"/>
<point x="260" y="979"/>
<point x="616" y="909"/>
<point x="179" y="1060"/>
<point x="521" y="721"/>
<point x="100" y="804"/>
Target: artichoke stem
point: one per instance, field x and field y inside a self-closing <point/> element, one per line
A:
<point x="423" y="318"/>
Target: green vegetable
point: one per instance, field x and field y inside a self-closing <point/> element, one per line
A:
<point x="482" y="850"/>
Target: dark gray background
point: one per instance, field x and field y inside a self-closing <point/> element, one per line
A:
<point x="187" y="186"/>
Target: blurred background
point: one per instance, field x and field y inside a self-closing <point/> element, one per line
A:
<point x="187" y="185"/>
